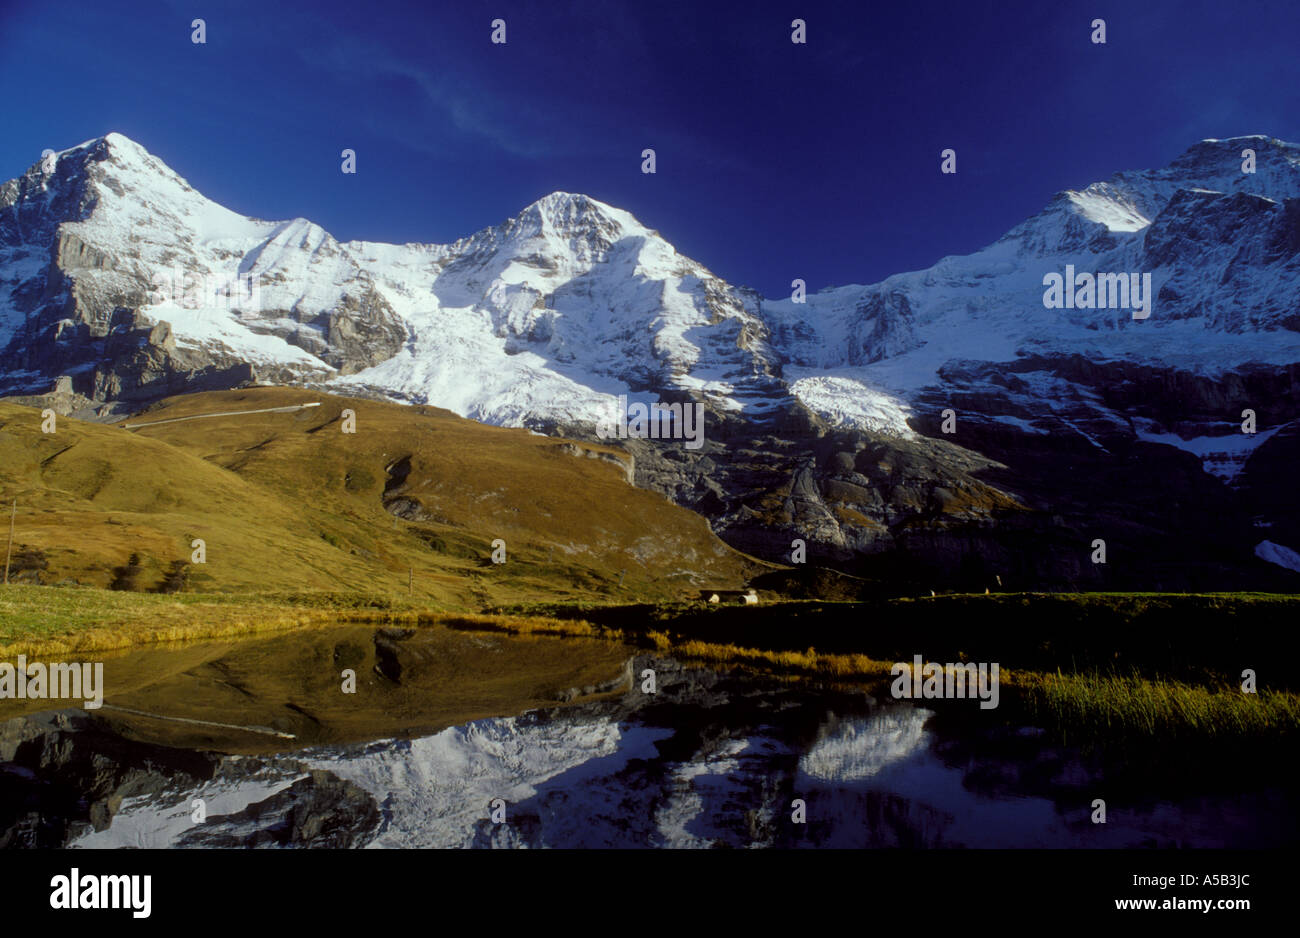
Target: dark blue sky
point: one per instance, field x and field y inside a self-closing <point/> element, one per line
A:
<point x="775" y="160"/>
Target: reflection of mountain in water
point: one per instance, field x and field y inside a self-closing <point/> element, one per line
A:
<point x="710" y="760"/>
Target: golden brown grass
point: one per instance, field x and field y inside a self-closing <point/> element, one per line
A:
<point x="37" y="620"/>
<point x="1104" y="703"/>
<point x="289" y="502"/>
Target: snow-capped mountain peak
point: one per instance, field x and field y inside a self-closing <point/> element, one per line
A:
<point x="546" y="316"/>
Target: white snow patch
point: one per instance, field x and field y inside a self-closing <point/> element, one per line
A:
<point x="155" y="821"/>
<point x="848" y="402"/>
<point x="1222" y="456"/>
<point x="1019" y="423"/>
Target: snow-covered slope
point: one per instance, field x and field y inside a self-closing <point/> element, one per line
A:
<point x="546" y="317"/>
<point x="1200" y="225"/>
<point x="558" y="310"/>
<point x="1223" y="249"/>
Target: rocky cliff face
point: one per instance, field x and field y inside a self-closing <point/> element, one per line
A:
<point x="944" y="424"/>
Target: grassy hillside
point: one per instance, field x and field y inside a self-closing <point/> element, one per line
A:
<point x="289" y="502"/>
